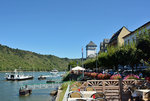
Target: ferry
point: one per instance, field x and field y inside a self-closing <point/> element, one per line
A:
<point x="17" y="76"/>
<point x="54" y="72"/>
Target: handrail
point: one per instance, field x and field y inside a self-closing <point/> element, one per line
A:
<point x="66" y="93"/>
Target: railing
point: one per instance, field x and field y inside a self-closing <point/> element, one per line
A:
<point x="115" y="90"/>
<point x="41" y="85"/>
<point x="66" y="93"/>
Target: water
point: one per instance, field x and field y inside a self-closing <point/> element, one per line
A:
<point x="9" y="90"/>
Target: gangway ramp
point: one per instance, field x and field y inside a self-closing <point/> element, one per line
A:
<point x="42" y="85"/>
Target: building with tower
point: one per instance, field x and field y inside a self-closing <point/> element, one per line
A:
<point x="91" y="50"/>
<point x="103" y="45"/>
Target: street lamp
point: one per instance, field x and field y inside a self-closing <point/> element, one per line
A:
<point x="96" y="63"/>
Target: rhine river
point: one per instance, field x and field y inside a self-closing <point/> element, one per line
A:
<point x="9" y="90"/>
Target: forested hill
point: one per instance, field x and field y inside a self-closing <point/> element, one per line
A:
<point x="11" y="59"/>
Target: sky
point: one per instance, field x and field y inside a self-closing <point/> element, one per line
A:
<point x="63" y="27"/>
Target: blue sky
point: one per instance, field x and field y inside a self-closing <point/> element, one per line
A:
<point x="63" y="27"/>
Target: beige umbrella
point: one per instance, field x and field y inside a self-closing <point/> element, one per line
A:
<point x="78" y="68"/>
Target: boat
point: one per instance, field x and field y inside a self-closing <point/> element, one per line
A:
<point x="54" y="72"/>
<point x="25" y="91"/>
<point x="50" y="81"/>
<point x="17" y="76"/>
<point x="42" y="77"/>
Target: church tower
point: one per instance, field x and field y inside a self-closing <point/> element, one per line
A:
<point x="91" y="50"/>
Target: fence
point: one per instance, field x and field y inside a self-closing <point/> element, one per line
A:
<point x="66" y="93"/>
<point x="115" y="90"/>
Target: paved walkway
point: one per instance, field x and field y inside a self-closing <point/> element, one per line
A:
<point x="58" y="95"/>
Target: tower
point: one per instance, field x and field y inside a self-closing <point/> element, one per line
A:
<point x="91" y="50"/>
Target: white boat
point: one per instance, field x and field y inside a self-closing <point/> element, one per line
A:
<point x="54" y="72"/>
<point x="42" y="77"/>
<point x="17" y="76"/>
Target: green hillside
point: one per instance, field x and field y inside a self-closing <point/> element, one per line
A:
<point x="11" y="59"/>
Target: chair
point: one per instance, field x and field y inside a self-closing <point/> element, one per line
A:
<point x="147" y="96"/>
<point x="90" y="88"/>
<point x="75" y="89"/>
<point x="80" y="100"/>
<point x="78" y="84"/>
<point x="134" y="95"/>
<point x="75" y="94"/>
<point x="99" y="96"/>
<point x="101" y="99"/>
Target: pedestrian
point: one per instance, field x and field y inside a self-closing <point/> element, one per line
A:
<point x="140" y="75"/>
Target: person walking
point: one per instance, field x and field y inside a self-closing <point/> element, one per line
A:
<point x="140" y="75"/>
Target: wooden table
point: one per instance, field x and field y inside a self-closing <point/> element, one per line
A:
<point x="143" y="92"/>
<point x="87" y="94"/>
<point x="76" y="99"/>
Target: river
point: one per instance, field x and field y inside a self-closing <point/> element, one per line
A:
<point x="9" y="90"/>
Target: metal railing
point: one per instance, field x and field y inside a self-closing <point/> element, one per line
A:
<point x="41" y="85"/>
<point x="66" y="93"/>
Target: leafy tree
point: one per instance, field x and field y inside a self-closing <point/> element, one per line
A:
<point x="90" y="63"/>
<point x="143" y="45"/>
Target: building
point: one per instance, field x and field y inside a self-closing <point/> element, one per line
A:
<point x="103" y="45"/>
<point x="91" y="50"/>
<point x="117" y="38"/>
<point x="132" y="36"/>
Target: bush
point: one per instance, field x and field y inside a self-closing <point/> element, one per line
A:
<point x="103" y="76"/>
<point x="116" y="77"/>
<point x="86" y="73"/>
<point x="93" y="75"/>
<point x="89" y="74"/>
<point x="131" y="76"/>
<point x="148" y="78"/>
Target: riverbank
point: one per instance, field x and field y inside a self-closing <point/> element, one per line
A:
<point x="62" y="89"/>
<point x="27" y="71"/>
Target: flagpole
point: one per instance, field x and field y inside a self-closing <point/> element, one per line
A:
<point x="82" y="63"/>
<point x="82" y="57"/>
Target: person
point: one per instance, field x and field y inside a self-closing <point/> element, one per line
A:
<point x="103" y="72"/>
<point x="140" y="75"/>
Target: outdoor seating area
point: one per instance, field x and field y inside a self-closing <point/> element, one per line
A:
<point x="109" y="90"/>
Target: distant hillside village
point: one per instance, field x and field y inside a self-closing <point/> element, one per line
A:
<point x="122" y="37"/>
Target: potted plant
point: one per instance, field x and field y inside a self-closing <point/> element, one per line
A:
<point x="103" y="76"/>
<point x="93" y="75"/>
<point x="115" y="77"/>
<point x="131" y="76"/>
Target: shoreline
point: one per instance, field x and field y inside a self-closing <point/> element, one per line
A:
<point x="29" y="71"/>
<point x="25" y="71"/>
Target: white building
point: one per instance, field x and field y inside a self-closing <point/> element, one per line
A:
<point x="131" y="37"/>
<point x="91" y="50"/>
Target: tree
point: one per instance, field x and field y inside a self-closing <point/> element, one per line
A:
<point x="73" y="63"/>
<point x="143" y="45"/>
<point x="90" y="63"/>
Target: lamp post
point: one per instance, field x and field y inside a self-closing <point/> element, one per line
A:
<point x="82" y="64"/>
<point x="96" y="63"/>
